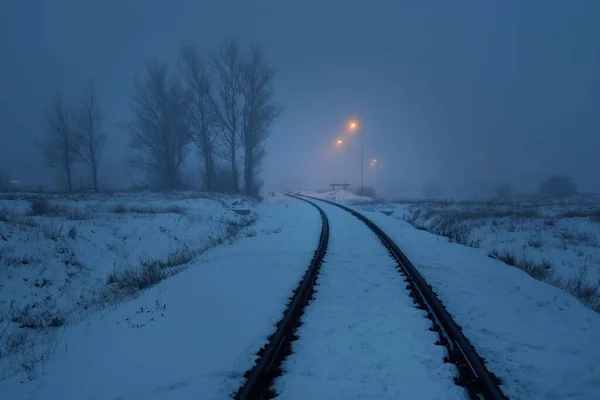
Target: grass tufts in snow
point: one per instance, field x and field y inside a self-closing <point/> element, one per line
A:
<point x="5" y="215"/>
<point x="593" y="215"/>
<point x="175" y="258"/>
<point x="20" y="259"/>
<point x="41" y="207"/>
<point x="78" y="215"/>
<point x="150" y="272"/>
<point x="172" y="209"/>
<point x="571" y="238"/>
<point x="536" y="243"/>
<point x="541" y="270"/>
<point x="72" y="234"/>
<point x="446" y="226"/>
<point x="132" y="280"/>
<point x="29" y="351"/>
<point x="36" y="316"/>
<point x="52" y="232"/>
<point x="578" y="286"/>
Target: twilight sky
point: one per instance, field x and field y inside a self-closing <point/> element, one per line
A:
<point x="464" y="93"/>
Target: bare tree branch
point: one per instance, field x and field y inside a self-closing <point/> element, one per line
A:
<point x="61" y="145"/>
<point x="88" y="119"/>
<point x="228" y="67"/>
<point x="202" y="111"/>
<point x="159" y="131"/>
<point x="259" y="113"/>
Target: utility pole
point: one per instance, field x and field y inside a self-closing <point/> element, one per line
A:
<point x="362" y="162"/>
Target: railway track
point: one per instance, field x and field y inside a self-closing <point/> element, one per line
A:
<point x="364" y="329"/>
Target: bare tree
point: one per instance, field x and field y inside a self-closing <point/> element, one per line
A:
<point x="4" y="182"/>
<point x="202" y="112"/>
<point x="61" y="145"/>
<point x="258" y="115"/>
<point x="88" y="119"/>
<point x="228" y="65"/>
<point x="159" y="131"/>
<point x="558" y="186"/>
<point x="504" y="191"/>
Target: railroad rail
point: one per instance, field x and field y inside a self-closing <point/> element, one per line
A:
<point x="473" y="375"/>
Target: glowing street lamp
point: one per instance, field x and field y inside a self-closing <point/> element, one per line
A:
<point x="342" y="143"/>
<point x="352" y="125"/>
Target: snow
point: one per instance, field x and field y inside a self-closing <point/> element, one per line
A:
<point x="339" y="196"/>
<point x="536" y="231"/>
<point x="195" y="333"/>
<point x="362" y="337"/>
<point x="55" y="266"/>
<point x="541" y="341"/>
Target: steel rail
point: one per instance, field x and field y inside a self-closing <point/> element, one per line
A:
<point x="473" y="374"/>
<point x="266" y="368"/>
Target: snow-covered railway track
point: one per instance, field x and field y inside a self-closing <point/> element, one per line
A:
<point x="364" y="335"/>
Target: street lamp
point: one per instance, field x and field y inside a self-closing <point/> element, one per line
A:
<point x="353" y="126"/>
<point x="375" y="167"/>
<point x="341" y="143"/>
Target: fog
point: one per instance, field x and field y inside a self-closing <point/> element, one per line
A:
<point x="465" y="94"/>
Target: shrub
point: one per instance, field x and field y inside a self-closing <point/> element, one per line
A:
<point x="39" y="207"/>
<point x="175" y="258"/>
<point x="134" y="280"/>
<point x="119" y="209"/>
<point x="588" y="293"/>
<point x="72" y="233"/>
<point x="558" y="186"/>
<point x="579" y="286"/>
<point x="541" y="270"/>
<point x="535" y="243"/>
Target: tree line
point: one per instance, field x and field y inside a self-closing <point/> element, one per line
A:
<point x="220" y="105"/>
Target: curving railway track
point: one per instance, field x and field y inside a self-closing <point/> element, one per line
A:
<point x="363" y="323"/>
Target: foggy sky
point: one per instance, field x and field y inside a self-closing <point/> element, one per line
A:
<point x="451" y="91"/>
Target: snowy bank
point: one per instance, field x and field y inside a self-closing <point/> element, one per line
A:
<point x="541" y="341"/>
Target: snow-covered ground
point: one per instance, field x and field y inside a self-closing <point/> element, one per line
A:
<point x="557" y="242"/>
<point x="195" y="332"/>
<point x="84" y="318"/>
<point x="537" y="338"/>
<point x="362" y="337"/>
<point x="339" y="196"/>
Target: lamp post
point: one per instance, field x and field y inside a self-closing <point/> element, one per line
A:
<point x="343" y="144"/>
<point x="375" y="166"/>
<point x="352" y="127"/>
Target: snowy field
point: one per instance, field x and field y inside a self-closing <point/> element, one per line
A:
<point x="556" y="242"/>
<point x="82" y="316"/>
<point x="541" y="341"/>
<point x="339" y="196"/>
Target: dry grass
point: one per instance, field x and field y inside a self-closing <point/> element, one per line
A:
<point x="579" y="286"/>
<point x="150" y="272"/>
<point x="536" y="243"/>
<point x="41" y="207"/>
<point x="20" y="259"/>
<point x="449" y="227"/>
<point x="593" y="214"/>
<point x="37" y="316"/>
<point x="122" y="209"/>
